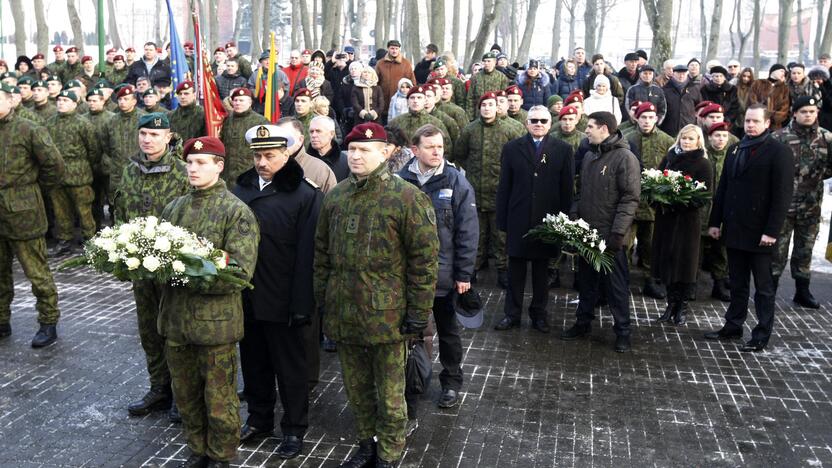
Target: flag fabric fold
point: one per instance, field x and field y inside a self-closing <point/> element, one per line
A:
<point x="207" y="86"/>
<point x="272" y="101"/>
<point x="178" y="62"/>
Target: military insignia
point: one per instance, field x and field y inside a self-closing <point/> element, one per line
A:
<point x="262" y="132"/>
<point x="198" y="145"/>
<point x="158" y="123"/>
<point x="368" y="133"/>
<point x="244" y="227"/>
<point x="352" y="224"/>
<point x="431" y="217"/>
<point x="812" y="102"/>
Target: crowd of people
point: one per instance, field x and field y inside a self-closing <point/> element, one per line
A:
<point x="365" y="214"/>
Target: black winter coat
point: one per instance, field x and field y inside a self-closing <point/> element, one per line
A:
<point x="137" y="69"/>
<point x="753" y="200"/>
<point x="531" y="187"/>
<point x="287" y="211"/>
<point x="725" y="96"/>
<point x="677" y="230"/>
<point x="335" y="159"/>
<point x="681" y="106"/>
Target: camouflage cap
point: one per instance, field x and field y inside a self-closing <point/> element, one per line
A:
<point x="155" y="121"/>
<point x="39" y="84"/>
<point x="68" y="95"/>
<point x="26" y="80"/>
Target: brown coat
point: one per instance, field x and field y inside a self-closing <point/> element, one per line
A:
<point x="358" y="98"/>
<point x="775" y="96"/>
<point x="390" y="70"/>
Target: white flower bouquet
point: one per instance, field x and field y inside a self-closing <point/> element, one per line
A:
<point x="578" y="235"/>
<point x="151" y="249"/>
<point x="672" y="188"/>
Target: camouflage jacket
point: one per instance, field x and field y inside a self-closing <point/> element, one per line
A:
<point x="233" y="136"/>
<point x="410" y="122"/>
<point x="457" y="113"/>
<point x="78" y="143"/>
<point x="27" y="157"/>
<point x="305" y="120"/>
<point x="812" y="164"/>
<point x="376" y="251"/>
<point x="215" y="316"/>
<point x="188" y="122"/>
<point x="70" y="72"/>
<point x="520" y="116"/>
<point x="46" y="110"/>
<point x="520" y="127"/>
<point x="573" y="139"/>
<point x="460" y="93"/>
<point x="100" y="121"/>
<point x="629" y="127"/>
<point x="116" y="76"/>
<point x="717" y="158"/>
<point x="653" y="147"/>
<point x="121" y="142"/>
<point x="481" y="83"/>
<point x="148" y="186"/>
<point x="478" y="151"/>
<point x="29" y="114"/>
<point x="450" y="125"/>
<point x="156" y="108"/>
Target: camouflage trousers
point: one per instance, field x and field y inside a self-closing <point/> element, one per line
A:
<point x="71" y="203"/>
<point x="148" y="296"/>
<point x="374" y="381"/>
<point x="805" y="233"/>
<point x="205" y="388"/>
<point x="640" y="234"/>
<point x="492" y="241"/>
<point x="713" y="257"/>
<point x="32" y="257"/>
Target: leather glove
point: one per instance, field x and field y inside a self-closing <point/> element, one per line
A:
<point x="413" y="327"/>
<point x="299" y="320"/>
<point x="615" y="242"/>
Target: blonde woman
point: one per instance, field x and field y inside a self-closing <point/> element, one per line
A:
<point x="676" y="235"/>
<point x="321" y="106"/>
<point x="367" y="98"/>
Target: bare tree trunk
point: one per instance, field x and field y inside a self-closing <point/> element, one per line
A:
<point x="703" y="28"/>
<point x="590" y="26"/>
<point x="410" y="34"/>
<point x="819" y="31"/>
<point x="659" y="15"/>
<point x="394" y="26"/>
<point x="315" y="36"/>
<point x="826" y="42"/>
<point x="489" y="17"/>
<point x="238" y="20"/>
<point x="115" y="37"/>
<point x="713" y="37"/>
<point x="784" y="23"/>
<point x="801" y="42"/>
<point x="214" y="19"/>
<point x="294" y="38"/>
<point x="382" y="11"/>
<point x="437" y="23"/>
<point x="526" y="42"/>
<point x="556" y="32"/>
<point x="358" y="28"/>
<point x="676" y="30"/>
<point x="455" y="28"/>
<point x="605" y="6"/>
<point x="469" y="28"/>
<point x="573" y="5"/>
<point x="308" y="29"/>
<point x="267" y="24"/>
<point x="74" y="21"/>
<point x="157" y="25"/>
<point x="638" y="24"/>
<point x="19" y="27"/>
<point x="42" y="32"/>
<point x="335" y="35"/>
<point x="755" y="21"/>
<point x="256" y="34"/>
<point x="508" y="24"/>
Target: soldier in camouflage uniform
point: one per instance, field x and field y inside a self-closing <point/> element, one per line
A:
<point x="55" y="86"/>
<point x="81" y="151"/>
<point x="376" y="250"/>
<point x="653" y="144"/>
<point x="566" y="131"/>
<point x="234" y="128"/>
<point x="303" y="110"/>
<point x="29" y="157"/>
<point x="714" y="257"/>
<point x="430" y="107"/>
<point x="151" y="98"/>
<point x="25" y="85"/>
<point x="440" y="71"/>
<point x="416" y="115"/>
<point x="60" y="60"/>
<point x="187" y="120"/>
<point x="120" y="142"/>
<point x="72" y="67"/>
<point x="118" y="73"/>
<point x="446" y="104"/>
<point x="43" y="107"/>
<point x="514" y="96"/>
<point x="99" y="117"/>
<point x="78" y="88"/>
<point x="202" y="327"/>
<point x="502" y="111"/>
<point x="23" y="111"/>
<point x="152" y="179"/>
<point x="478" y="152"/>
<point x="487" y="79"/>
<point x="813" y="163"/>
<point x="630" y="125"/>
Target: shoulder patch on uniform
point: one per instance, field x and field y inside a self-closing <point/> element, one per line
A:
<point x="244" y="226"/>
<point x="431" y="216"/>
<point x="311" y="182"/>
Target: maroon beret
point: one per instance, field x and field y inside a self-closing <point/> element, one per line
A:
<point x="567" y="110"/>
<point x="118" y="58"/>
<point x="72" y="49"/>
<point x="416" y="90"/>
<point x="500" y="93"/>
<point x="57" y="48"/>
<point x="719" y="127"/>
<point x="574" y="96"/>
<point x="129" y="49"/>
<point x="230" y="44"/>
<point x="184" y="85"/>
<point x="645" y="107"/>
<point x="303" y="92"/>
<point x="204" y="145"/>
<point x="112" y="49"/>
<point x="219" y="49"/>
<point x="711" y="109"/>
<point x="86" y="59"/>
<point x="514" y="90"/>
<point x="38" y="56"/>
<point x="702" y="104"/>
<point x="239" y="92"/>
<point x="634" y="105"/>
<point x="441" y="81"/>
<point x="126" y="91"/>
<point x="369" y="131"/>
<point x="486" y="96"/>
<point x="188" y="45"/>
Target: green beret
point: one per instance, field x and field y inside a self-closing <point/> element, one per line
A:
<point x="150" y="92"/>
<point x="438" y="63"/>
<point x="102" y="83"/>
<point x="69" y="95"/>
<point x="553" y="99"/>
<point x="155" y="121"/>
<point x="72" y="84"/>
<point x="53" y="78"/>
<point x="15" y="90"/>
<point x="95" y="92"/>
<point x="39" y="84"/>
<point x="8" y="74"/>
<point x="25" y="80"/>
<point x="489" y="55"/>
<point x="6" y="88"/>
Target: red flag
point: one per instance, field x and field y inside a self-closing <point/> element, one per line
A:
<point x="211" y="102"/>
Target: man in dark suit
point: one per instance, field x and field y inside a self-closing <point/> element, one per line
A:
<point x="749" y="209"/>
<point x="536" y="178"/>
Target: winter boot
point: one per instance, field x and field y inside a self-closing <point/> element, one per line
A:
<point x="802" y="296"/>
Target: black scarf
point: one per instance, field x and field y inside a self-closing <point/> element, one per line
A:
<point x="747" y="146"/>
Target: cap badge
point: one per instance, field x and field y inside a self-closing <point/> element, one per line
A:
<point x="368" y="133"/>
<point x="262" y="132"/>
<point x="198" y="145"/>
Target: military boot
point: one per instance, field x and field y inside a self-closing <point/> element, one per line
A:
<point x="5" y="330"/>
<point x="195" y="461"/>
<point x="365" y="456"/>
<point x="654" y="289"/>
<point x="502" y="279"/>
<point x="386" y="464"/>
<point x="802" y="296"/>
<point x="63" y="247"/>
<point x="156" y="399"/>
<point x="721" y="291"/>
<point x="47" y="335"/>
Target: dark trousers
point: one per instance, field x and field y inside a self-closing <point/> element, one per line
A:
<point x="741" y="265"/>
<point x="616" y="286"/>
<point x="312" y="345"/>
<point x="272" y="350"/>
<point x="517" y="285"/>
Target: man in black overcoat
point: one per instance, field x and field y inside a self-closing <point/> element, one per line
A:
<point x="536" y="178"/>
<point x="749" y="209"/>
<point x="280" y="306"/>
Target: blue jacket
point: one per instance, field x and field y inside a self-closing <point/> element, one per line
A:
<point x="456" y="221"/>
<point x="565" y="84"/>
<point x="535" y="92"/>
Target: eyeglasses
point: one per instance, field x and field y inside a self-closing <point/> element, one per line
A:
<point x="538" y="121"/>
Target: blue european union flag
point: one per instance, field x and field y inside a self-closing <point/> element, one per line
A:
<point x="178" y="63"/>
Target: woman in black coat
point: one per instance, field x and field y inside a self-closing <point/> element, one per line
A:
<point x="677" y="228"/>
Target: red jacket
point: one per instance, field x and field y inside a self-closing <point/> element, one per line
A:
<point x="295" y="74"/>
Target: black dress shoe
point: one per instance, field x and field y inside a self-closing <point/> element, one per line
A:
<point x="173" y="414"/>
<point x="290" y="447"/>
<point x="364" y="457"/>
<point x="723" y="334"/>
<point x="502" y="279"/>
<point x="217" y="464"/>
<point x="156" y="399"/>
<point x="622" y="344"/>
<point x="329" y="345"/>
<point x="680" y="317"/>
<point x="541" y="325"/>
<point x="506" y="323"/>
<point x="753" y="346"/>
<point x="47" y="335"/>
<point x="249" y="433"/>
<point x="386" y="464"/>
<point x="654" y="289"/>
<point x="575" y="332"/>
<point x="5" y="330"/>
<point x="195" y="461"/>
<point x="449" y="398"/>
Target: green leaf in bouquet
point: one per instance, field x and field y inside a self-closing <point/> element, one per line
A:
<point x="73" y="262"/>
<point x="197" y="267"/>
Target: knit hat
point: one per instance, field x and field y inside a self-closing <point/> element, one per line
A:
<point x="775" y="67"/>
<point x="601" y="80"/>
<point x="553" y="99"/>
<point x="719" y="69"/>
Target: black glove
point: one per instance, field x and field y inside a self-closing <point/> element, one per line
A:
<point x="299" y="320"/>
<point x="615" y="242"/>
<point x="413" y="327"/>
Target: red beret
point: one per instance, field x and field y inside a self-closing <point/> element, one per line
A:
<point x="306" y="52"/>
<point x="72" y="49"/>
<point x="125" y="91"/>
<point x="701" y="105"/>
<point x="86" y="59"/>
<point x="634" y="105"/>
<point x="567" y="110"/>
<point x="118" y="58"/>
<point x="38" y="56"/>
<point x="219" y="49"/>
<point x="574" y="96"/>
<point x="719" y="127"/>
<point x="514" y="90"/>
<point x="645" y="107"/>
<point x="238" y="92"/>
<point x="711" y="109"/>
<point x="57" y="48"/>
<point x="441" y="81"/>
<point x="416" y="90"/>
<point x="204" y="145"/>
<point x="230" y="44"/>
<point x="303" y="92"/>
<point x="369" y="131"/>
<point x="129" y="49"/>
<point x="486" y="96"/>
<point x="188" y="45"/>
<point x="184" y="85"/>
<point x="112" y="49"/>
<point x="500" y="93"/>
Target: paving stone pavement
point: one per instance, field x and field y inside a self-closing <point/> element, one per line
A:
<point x="529" y="399"/>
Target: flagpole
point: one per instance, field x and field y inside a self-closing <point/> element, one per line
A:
<point x="101" y="37"/>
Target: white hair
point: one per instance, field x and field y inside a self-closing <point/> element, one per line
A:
<point x="326" y="121"/>
<point x="538" y="108"/>
<point x="356" y="65"/>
